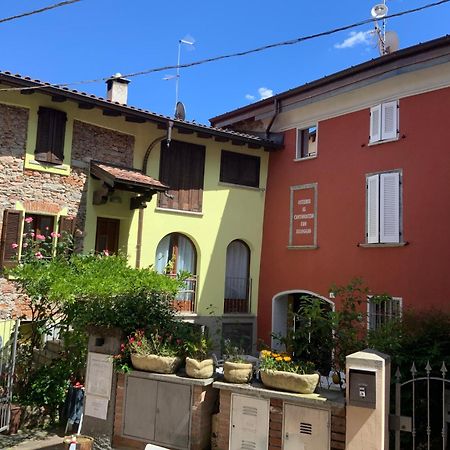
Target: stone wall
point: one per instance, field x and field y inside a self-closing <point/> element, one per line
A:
<point x="42" y="192"/>
<point x="92" y="142"/>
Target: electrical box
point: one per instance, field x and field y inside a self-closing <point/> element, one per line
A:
<point x="362" y="388"/>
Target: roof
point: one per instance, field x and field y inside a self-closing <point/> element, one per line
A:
<point x="420" y="53"/>
<point x="125" y="178"/>
<point x="133" y="114"/>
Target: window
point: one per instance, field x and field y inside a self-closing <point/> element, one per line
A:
<point x="237" y="279"/>
<point x="383" y="208"/>
<point x="237" y="168"/>
<point x="17" y="222"/>
<point x="306" y="142"/>
<point x="384" y="122"/>
<point x="382" y="309"/>
<point x="176" y="253"/>
<point x="50" y="136"/>
<point x="107" y="235"/>
<point x="182" y="168"/>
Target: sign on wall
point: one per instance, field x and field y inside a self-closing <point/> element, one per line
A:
<point x="303" y="220"/>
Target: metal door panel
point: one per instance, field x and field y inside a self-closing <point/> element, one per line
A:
<point x="140" y="408"/>
<point x="173" y="415"/>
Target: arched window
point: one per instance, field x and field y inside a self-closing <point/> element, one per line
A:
<point x="176" y="254"/>
<point x="237" y="279"/>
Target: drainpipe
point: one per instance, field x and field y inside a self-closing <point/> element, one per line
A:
<point x="276" y="111"/>
<point x="141" y="210"/>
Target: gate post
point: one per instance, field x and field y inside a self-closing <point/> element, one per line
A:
<point x="367" y="395"/>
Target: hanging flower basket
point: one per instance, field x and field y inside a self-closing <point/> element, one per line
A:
<point x="156" y="363"/>
<point x="199" y="369"/>
<point x="289" y="381"/>
<point x="235" y="372"/>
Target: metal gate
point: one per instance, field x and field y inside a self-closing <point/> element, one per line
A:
<point x="426" y="401"/>
<point x="8" y="344"/>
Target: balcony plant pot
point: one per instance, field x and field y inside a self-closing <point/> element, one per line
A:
<point x="236" y="372"/>
<point x="288" y="381"/>
<point x="199" y="369"/>
<point x="156" y="363"/>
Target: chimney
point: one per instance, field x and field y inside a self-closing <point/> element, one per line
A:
<point x="117" y="89"/>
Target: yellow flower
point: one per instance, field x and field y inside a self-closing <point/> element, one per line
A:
<point x="275" y="355"/>
<point x="265" y="352"/>
<point x="279" y="358"/>
<point x="287" y="358"/>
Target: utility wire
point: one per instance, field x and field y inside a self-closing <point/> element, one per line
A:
<point x="242" y="53"/>
<point x="37" y="11"/>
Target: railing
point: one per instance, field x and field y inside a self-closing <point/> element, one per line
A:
<point x="237" y="295"/>
<point x="184" y="301"/>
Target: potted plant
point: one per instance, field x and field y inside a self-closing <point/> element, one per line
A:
<point x="279" y="371"/>
<point x="235" y="368"/>
<point x="155" y="353"/>
<point x="197" y="349"/>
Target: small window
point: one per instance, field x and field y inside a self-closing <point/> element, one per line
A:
<point x="383" y="208"/>
<point x="384" y="122"/>
<point x="237" y="168"/>
<point x="306" y="142"/>
<point x="50" y="136"/>
<point x="39" y="224"/>
<point x="382" y="309"/>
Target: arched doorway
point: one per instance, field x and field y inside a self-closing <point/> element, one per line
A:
<point x="301" y="326"/>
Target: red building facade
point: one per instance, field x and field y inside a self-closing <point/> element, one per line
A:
<point x="362" y="186"/>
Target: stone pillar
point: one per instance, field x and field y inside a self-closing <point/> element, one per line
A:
<point x="368" y="385"/>
<point x="101" y="381"/>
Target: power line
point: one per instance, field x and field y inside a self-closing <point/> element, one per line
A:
<point x="242" y="53"/>
<point x="37" y="11"/>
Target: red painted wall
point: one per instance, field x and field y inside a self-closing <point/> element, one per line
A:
<point x="418" y="272"/>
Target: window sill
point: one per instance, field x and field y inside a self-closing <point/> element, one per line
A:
<point x="306" y="158"/>
<point x="382" y="141"/>
<point x="302" y="247"/>
<point x="179" y="211"/>
<point x="240" y="186"/>
<point x="381" y="245"/>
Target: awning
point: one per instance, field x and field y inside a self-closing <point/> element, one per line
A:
<point x="125" y="178"/>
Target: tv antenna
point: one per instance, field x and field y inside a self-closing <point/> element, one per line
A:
<point x="387" y="40"/>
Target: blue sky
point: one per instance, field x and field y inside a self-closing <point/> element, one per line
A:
<point x="96" y="38"/>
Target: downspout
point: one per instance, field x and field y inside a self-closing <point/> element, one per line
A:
<point x="276" y="111"/>
<point x="144" y="170"/>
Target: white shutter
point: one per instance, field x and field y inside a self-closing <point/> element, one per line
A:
<point x="373" y="209"/>
<point x="389" y="117"/>
<point x="390" y="207"/>
<point x="375" y="123"/>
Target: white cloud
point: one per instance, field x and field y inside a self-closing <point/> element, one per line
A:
<point x="250" y="97"/>
<point x="355" y="38"/>
<point x="265" y="93"/>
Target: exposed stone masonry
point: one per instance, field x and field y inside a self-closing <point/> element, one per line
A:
<point x="43" y="192"/>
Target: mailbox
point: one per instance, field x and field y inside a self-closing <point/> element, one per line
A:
<point x="362" y="388"/>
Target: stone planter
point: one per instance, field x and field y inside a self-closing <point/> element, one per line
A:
<point x="288" y="381"/>
<point x="199" y="369"/>
<point x="83" y="442"/>
<point x="237" y="372"/>
<point x="156" y="363"/>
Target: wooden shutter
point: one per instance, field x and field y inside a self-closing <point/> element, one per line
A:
<point x="197" y="173"/>
<point x="373" y="209"/>
<point x="375" y="123"/>
<point x="50" y="136"/>
<point x="390" y="207"/>
<point x="238" y="168"/>
<point x="67" y="225"/>
<point x="12" y="223"/>
<point x="389" y="117"/>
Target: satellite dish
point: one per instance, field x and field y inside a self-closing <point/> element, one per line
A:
<point x="180" y="111"/>
<point x="379" y="11"/>
<point x="391" y="42"/>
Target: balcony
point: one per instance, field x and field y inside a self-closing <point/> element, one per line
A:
<point x="237" y="295"/>
<point x="184" y="301"/>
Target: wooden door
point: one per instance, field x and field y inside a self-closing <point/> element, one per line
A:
<point x="107" y="235"/>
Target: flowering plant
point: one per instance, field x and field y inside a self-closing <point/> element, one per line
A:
<point x="281" y="361"/>
<point x="140" y="344"/>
